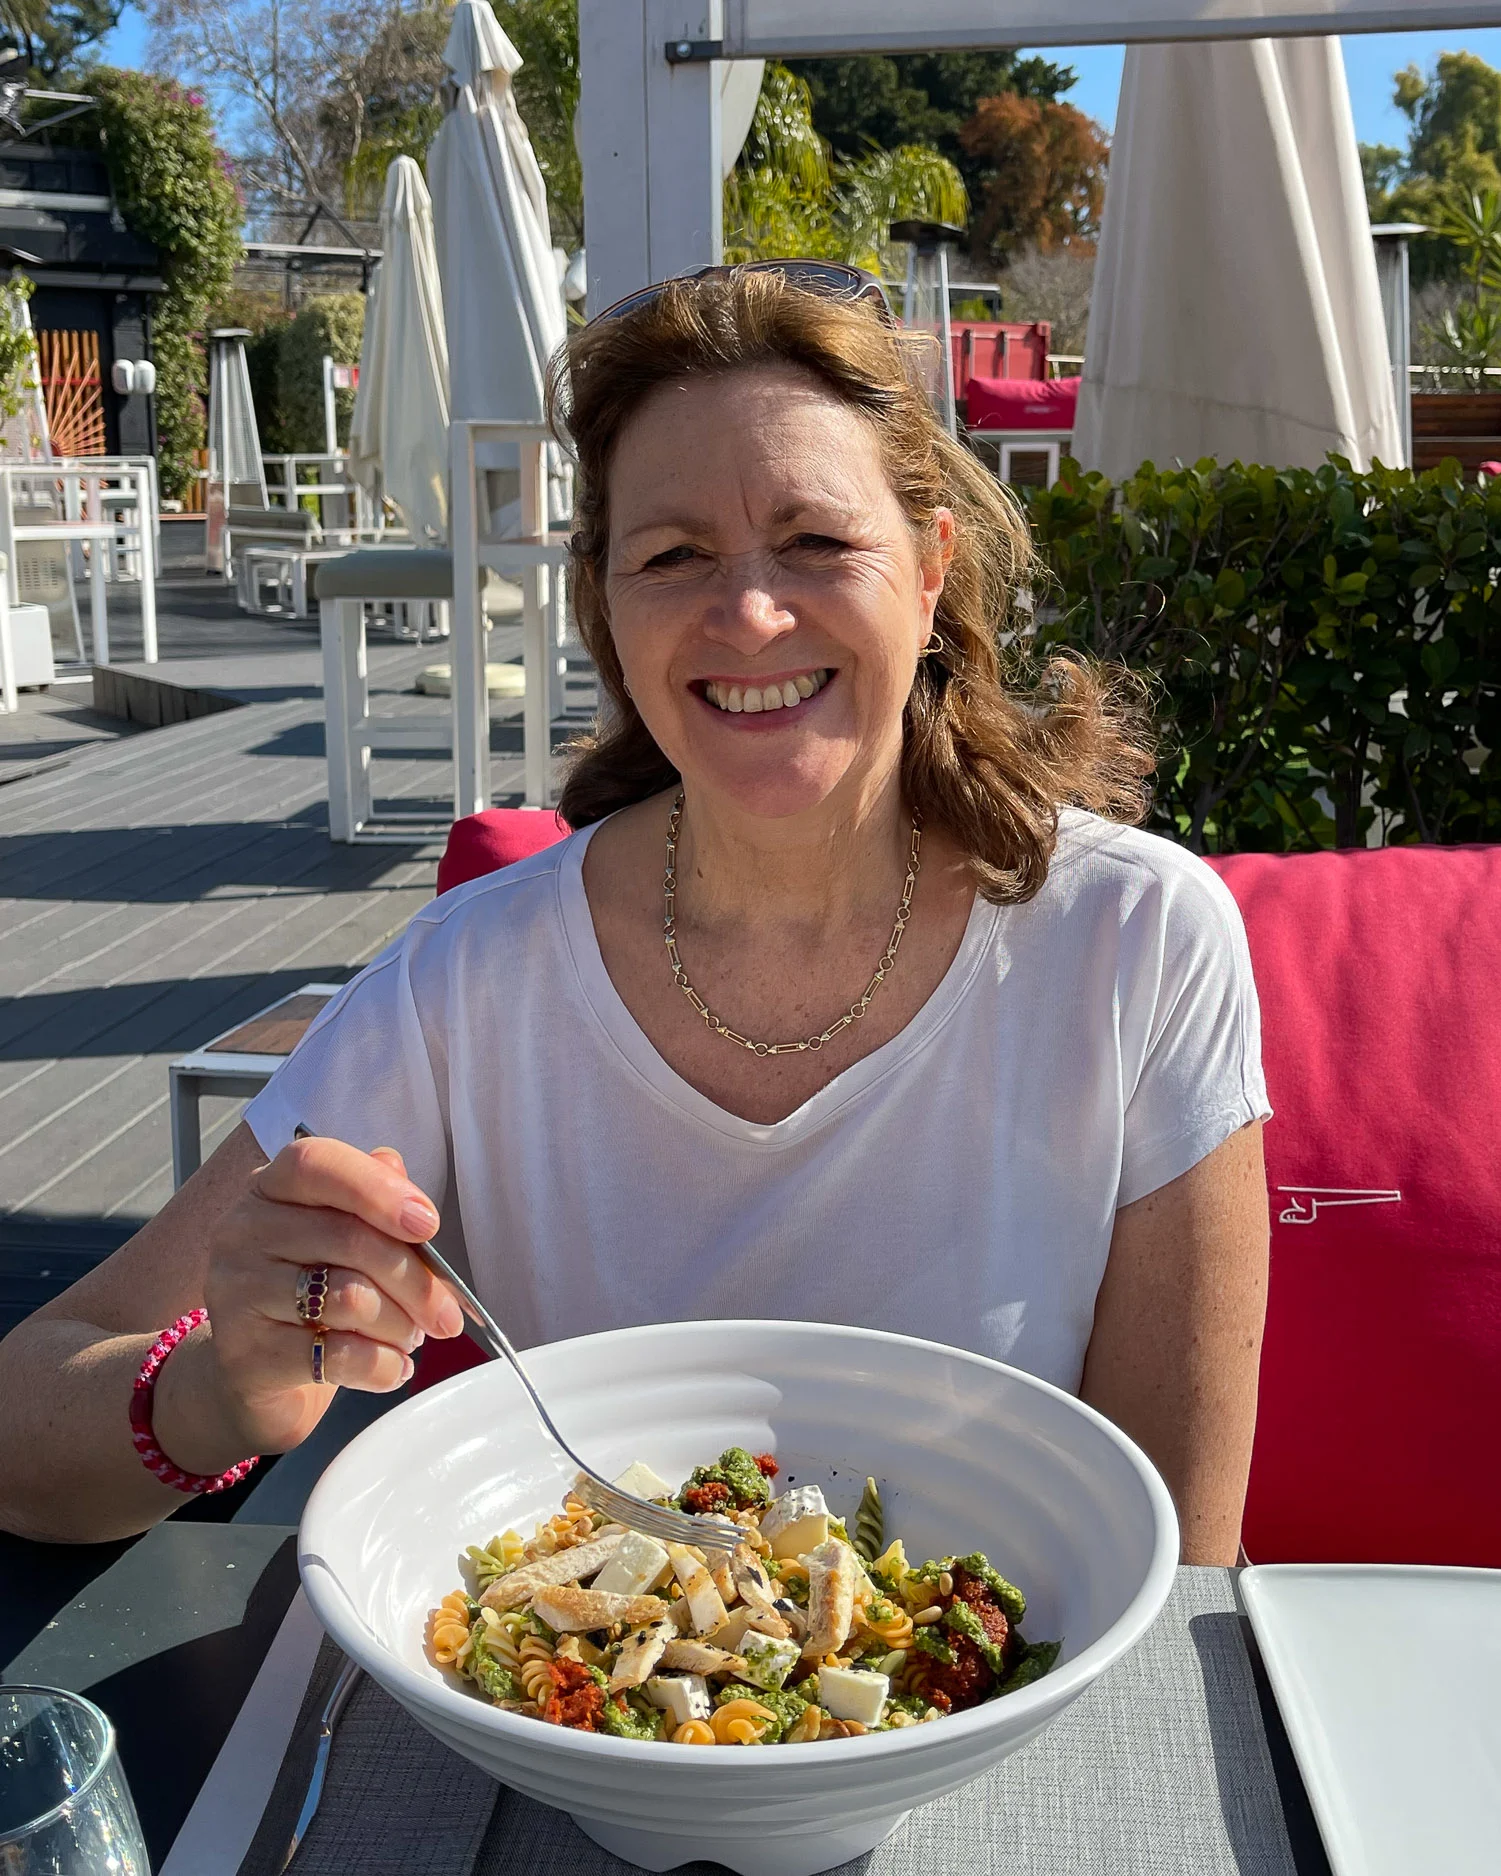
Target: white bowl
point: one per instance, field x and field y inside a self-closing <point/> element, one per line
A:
<point x="971" y="1455"/>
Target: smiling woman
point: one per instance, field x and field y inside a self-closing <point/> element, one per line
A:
<point x="855" y="997"/>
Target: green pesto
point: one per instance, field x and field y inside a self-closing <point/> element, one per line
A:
<point x="930" y="1640"/>
<point x="738" y="1470"/>
<point x="1036" y="1662"/>
<point x="839" y="1529"/>
<point x="1006" y="1594"/>
<point x="494" y="1681"/>
<point x="904" y="1703"/>
<point x="628" y="1719"/>
<point x="960" y="1619"/>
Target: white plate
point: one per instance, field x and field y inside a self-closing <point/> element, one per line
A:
<point x="1388" y="1678"/>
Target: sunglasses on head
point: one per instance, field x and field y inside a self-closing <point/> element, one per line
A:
<point x="832" y="280"/>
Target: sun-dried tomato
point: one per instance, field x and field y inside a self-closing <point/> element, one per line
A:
<point x="963" y="1682"/>
<point x="981" y="1598"/>
<point x="766" y="1465"/>
<point x="713" y="1495"/>
<point x="577" y="1699"/>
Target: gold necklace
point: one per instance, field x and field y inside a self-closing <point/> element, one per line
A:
<point x="855" y="1011"/>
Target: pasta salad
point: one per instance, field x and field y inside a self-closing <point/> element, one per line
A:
<point x="809" y="1630"/>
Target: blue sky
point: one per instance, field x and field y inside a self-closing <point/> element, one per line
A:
<point x="1370" y="61"/>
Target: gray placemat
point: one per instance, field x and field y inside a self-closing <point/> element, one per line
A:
<point x="396" y="1802"/>
<point x="1161" y="1769"/>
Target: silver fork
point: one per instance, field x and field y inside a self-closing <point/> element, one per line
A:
<point x="640" y="1514"/>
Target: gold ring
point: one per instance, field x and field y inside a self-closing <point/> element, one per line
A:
<point x="318" y="1357"/>
<point x="312" y="1292"/>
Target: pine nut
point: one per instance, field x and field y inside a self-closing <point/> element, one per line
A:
<point x="945" y="1584"/>
<point x="925" y="1618"/>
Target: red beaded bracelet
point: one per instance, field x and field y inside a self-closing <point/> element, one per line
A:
<point x="142" y="1396"/>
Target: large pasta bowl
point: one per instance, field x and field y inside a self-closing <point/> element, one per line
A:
<point x="971" y="1455"/>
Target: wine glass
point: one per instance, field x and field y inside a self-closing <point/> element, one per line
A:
<point x="65" y="1808"/>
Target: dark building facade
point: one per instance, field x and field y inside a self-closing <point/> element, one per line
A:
<point x="94" y="279"/>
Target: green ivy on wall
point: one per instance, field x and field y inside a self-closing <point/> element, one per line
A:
<point x="175" y="189"/>
<point x="1326" y="645"/>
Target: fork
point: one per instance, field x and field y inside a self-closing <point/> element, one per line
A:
<point x="668" y="1526"/>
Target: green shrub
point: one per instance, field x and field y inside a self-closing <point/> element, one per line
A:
<point x="1325" y="643"/>
<point x="174" y="188"/>
<point x="330" y="324"/>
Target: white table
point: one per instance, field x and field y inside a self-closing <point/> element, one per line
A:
<point x="85" y="499"/>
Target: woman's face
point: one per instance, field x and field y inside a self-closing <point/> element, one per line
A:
<point x="767" y="596"/>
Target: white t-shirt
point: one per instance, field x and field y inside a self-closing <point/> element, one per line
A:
<point x="960" y="1183"/>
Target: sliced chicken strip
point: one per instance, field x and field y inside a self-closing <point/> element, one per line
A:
<point x="564" y="1566"/>
<point x="566" y="1608"/>
<point x="639" y="1654"/>
<point x="695" y="1657"/>
<point x="703" y="1599"/>
<point x="732" y="1631"/>
<point x="751" y="1580"/>
<point x="832" y="1574"/>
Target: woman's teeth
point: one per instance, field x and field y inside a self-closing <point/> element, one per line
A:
<point x="751" y="698"/>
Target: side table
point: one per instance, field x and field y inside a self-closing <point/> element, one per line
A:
<point x="238" y="1063"/>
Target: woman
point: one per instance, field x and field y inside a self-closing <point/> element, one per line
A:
<point x="938" y="1043"/>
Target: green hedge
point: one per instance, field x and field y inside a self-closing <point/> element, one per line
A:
<point x="1325" y="645"/>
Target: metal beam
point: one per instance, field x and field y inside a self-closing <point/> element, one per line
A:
<point x="795" y="29"/>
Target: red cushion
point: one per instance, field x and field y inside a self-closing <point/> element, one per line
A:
<point x="480" y="843"/>
<point x="1381" y="1376"/>
<point x="1021" y="404"/>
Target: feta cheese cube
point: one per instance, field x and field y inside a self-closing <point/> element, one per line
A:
<point x="768" y="1661"/>
<point x="683" y="1696"/>
<point x="637" y="1567"/>
<point x="642" y="1482"/>
<point x="853" y="1694"/>
<point x="797" y="1522"/>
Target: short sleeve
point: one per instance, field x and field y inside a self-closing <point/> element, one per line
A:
<point x="1190" y="1027"/>
<point x="364" y="1072"/>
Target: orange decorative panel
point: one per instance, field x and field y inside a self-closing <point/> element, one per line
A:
<point x="74" y="393"/>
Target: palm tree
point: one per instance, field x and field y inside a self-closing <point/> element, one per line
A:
<point x="788" y="197"/>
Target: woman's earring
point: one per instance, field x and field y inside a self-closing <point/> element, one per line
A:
<point x="933" y="646"/>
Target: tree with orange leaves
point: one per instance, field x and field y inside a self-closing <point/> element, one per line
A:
<point x="1045" y="176"/>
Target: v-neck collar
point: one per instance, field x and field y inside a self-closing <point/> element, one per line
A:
<point x="641" y="1055"/>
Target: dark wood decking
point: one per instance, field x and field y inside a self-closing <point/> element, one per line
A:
<point x="158" y="887"/>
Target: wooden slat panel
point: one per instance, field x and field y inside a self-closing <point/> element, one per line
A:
<point x="276" y="1031"/>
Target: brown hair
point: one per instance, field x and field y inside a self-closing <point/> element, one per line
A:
<point x="992" y="751"/>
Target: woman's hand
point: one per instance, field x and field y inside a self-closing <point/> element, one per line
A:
<point x="245" y="1384"/>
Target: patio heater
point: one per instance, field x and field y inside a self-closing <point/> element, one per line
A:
<point x="925" y="304"/>
<point x="236" y="474"/>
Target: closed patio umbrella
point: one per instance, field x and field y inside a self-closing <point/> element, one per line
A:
<point x="1236" y="311"/>
<point x="398" y="441"/>
<point x="502" y="296"/>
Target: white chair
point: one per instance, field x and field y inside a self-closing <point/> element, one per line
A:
<point x="345" y="586"/>
<point x="535" y="558"/>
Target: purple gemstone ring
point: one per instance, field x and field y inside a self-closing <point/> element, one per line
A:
<point x="312" y="1290"/>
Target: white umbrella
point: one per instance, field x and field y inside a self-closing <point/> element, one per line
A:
<point x="1236" y="311"/>
<point x="398" y="441"/>
<point x="503" y="302"/>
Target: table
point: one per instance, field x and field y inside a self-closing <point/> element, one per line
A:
<point x="238" y="1063"/>
<point x="168" y="1632"/>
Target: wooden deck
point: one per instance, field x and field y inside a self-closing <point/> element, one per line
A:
<point x="158" y="886"/>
